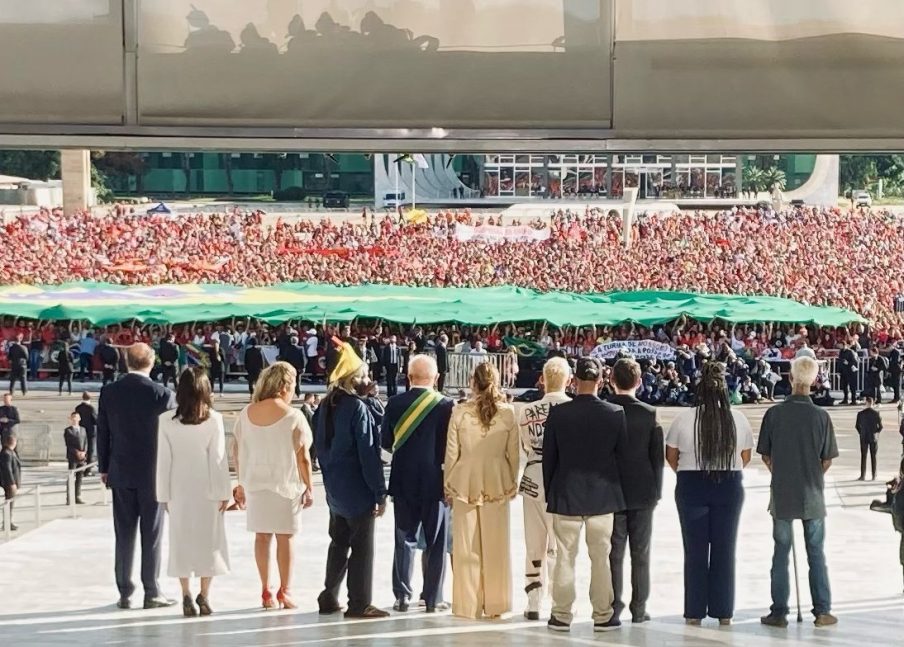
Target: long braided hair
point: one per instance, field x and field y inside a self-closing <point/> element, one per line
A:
<point x="715" y="436"/>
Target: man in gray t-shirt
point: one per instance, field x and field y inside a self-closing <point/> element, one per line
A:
<point x="797" y="443"/>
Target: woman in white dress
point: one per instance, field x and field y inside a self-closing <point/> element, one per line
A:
<point x="273" y="461"/>
<point x="193" y="483"/>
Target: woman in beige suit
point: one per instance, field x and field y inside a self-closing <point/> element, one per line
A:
<point x="481" y="472"/>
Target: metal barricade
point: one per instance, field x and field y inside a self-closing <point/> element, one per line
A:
<point x="461" y="365"/>
<point x="7" y="510"/>
<point x="70" y="487"/>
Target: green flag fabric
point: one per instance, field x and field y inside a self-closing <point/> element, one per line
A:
<point x="105" y="303"/>
<point x="525" y="347"/>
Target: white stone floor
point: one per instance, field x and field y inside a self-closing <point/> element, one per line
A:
<point x="56" y="584"/>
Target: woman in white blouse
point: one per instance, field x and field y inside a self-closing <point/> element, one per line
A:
<point x="193" y="484"/>
<point x="708" y="446"/>
<point x="273" y="461"/>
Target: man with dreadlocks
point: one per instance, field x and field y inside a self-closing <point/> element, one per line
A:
<point x="797" y="443"/>
<point x="348" y="448"/>
<point x="708" y="446"/>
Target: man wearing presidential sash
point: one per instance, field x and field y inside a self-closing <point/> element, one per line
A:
<point x="414" y="430"/>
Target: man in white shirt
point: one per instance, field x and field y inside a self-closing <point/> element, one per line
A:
<point x="539" y="540"/>
<point x="478" y="349"/>
<point x="310" y="343"/>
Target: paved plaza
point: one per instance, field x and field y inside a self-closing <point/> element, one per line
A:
<point x="56" y="581"/>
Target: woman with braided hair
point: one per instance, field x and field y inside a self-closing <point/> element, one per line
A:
<point x="708" y="446"/>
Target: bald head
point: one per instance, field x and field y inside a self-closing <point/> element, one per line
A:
<point x="139" y="358"/>
<point x="422" y="371"/>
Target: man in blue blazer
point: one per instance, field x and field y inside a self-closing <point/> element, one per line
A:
<point x="127" y="461"/>
<point x="414" y="430"/>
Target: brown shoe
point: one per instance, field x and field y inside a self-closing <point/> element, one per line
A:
<point x="825" y="620"/>
<point x="367" y="613"/>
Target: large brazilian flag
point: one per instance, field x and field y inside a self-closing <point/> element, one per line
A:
<point x="105" y="303"/>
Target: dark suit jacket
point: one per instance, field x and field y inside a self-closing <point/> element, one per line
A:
<point x="868" y="425"/>
<point x="18" y="357"/>
<point x="254" y="360"/>
<point x="294" y="355"/>
<point x="642" y="462"/>
<point x="169" y="352"/>
<point x="417" y="467"/>
<point x="89" y="418"/>
<point x="12" y="414"/>
<point x="386" y="360"/>
<point x="76" y="439"/>
<point x="127" y="430"/>
<point x="10" y="469"/>
<point x="442" y="359"/>
<point x="582" y="447"/>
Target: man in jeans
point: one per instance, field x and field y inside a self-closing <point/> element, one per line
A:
<point x="797" y="443"/>
<point x="583" y="444"/>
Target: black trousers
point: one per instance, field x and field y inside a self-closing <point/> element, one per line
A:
<point x="409" y="516"/>
<point x="67" y="378"/>
<point x="8" y="493"/>
<point x="636" y="527"/>
<point x="252" y="380"/>
<point x="168" y="374"/>
<point x="134" y="509"/>
<point x="441" y="382"/>
<point x="109" y="376"/>
<point x="896" y="384"/>
<point x="873" y="387"/>
<point x="351" y="551"/>
<point x="91" y="453"/>
<point x="217" y="375"/>
<point x="78" y="479"/>
<point x="849" y="384"/>
<point x="868" y="448"/>
<point x="18" y="376"/>
<point x="392" y="379"/>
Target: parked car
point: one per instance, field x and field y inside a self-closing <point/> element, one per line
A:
<point x="862" y="199"/>
<point x="394" y="200"/>
<point x="335" y="200"/>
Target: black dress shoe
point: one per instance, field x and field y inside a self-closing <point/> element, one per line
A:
<point x="531" y="615"/>
<point x="158" y="602"/>
<point x="400" y="605"/>
<point x="638" y="619"/>
<point x="124" y="603"/>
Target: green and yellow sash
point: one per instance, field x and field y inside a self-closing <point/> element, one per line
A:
<point x="414" y="415"/>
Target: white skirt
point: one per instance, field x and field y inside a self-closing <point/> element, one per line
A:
<point x="270" y="513"/>
<point x="197" y="533"/>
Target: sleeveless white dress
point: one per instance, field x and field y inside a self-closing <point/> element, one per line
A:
<point x="269" y="474"/>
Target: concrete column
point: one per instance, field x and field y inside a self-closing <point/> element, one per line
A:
<point x="739" y="173"/>
<point x="75" y="169"/>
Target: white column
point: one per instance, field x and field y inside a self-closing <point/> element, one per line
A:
<point x="75" y="169"/>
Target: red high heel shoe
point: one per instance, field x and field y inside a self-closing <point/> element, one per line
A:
<point x="267" y="599"/>
<point x="285" y="602"/>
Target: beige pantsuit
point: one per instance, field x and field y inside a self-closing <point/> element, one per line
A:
<point x="480" y="470"/>
<point x="482" y="565"/>
<point x="599" y="543"/>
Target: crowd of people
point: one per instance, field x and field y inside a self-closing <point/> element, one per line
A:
<point x="593" y="464"/>
<point x="846" y="258"/>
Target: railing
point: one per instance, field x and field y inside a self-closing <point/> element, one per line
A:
<point x="461" y="365"/>
<point x="36" y="492"/>
<point x="7" y="509"/>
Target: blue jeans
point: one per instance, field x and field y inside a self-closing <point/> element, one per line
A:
<point x="814" y="539"/>
<point x="34" y="362"/>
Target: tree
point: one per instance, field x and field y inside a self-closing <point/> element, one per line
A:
<point x="774" y="177"/>
<point x="121" y="166"/>
<point x="858" y="172"/>
<point x="753" y="179"/>
<point x="33" y="165"/>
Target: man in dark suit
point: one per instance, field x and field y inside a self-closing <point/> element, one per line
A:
<point x="392" y="357"/>
<point x="582" y="448"/>
<point x="88" y="416"/>
<point x="414" y="430"/>
<point x="640" y="466"/>
<point x="869" y="426"/>
<point x="9" y="416"/>
<point x="294" y="355"/>
<point x="254" y="362"/>
<point x="894" y="370"/>
<point x="169" y="359"/>
<point x="442" y="361"/>
<point x="10" y="475"/>
<point x="849" y="368"/>
<point x="127" y="451"/>
<point x="875" y="375"/>
<point x="109" y="357"/>
<point x="18" y="364"/>
<point x="76" y="439"/>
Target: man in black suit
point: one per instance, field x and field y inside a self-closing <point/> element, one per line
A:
<point x="9" y="416"/>
<point x="442" y="361"/>
<point x="294" y="355"/>
<point x="169" y="359"/>
<point x="868" y="426"/>
<point x="894" y="370"/>
<point x="109" y="357"/>
<point x="18" y="364"/>
<point x="88" y="416"/>
<point x="76" y="439"/>
<point x="640" y="466"/>
<point x="392" y="357"/>
<point x="583" y="445"/>
<point x="875" y="375"/>
<point x="254" y="363"/>
<point x="127" y="451"/>
<point x="414" y="430"/>
<point x="10" y="475"/>
<point x="849" y="367"/>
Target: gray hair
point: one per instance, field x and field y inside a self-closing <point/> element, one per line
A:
<point x="804" y="370"/>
